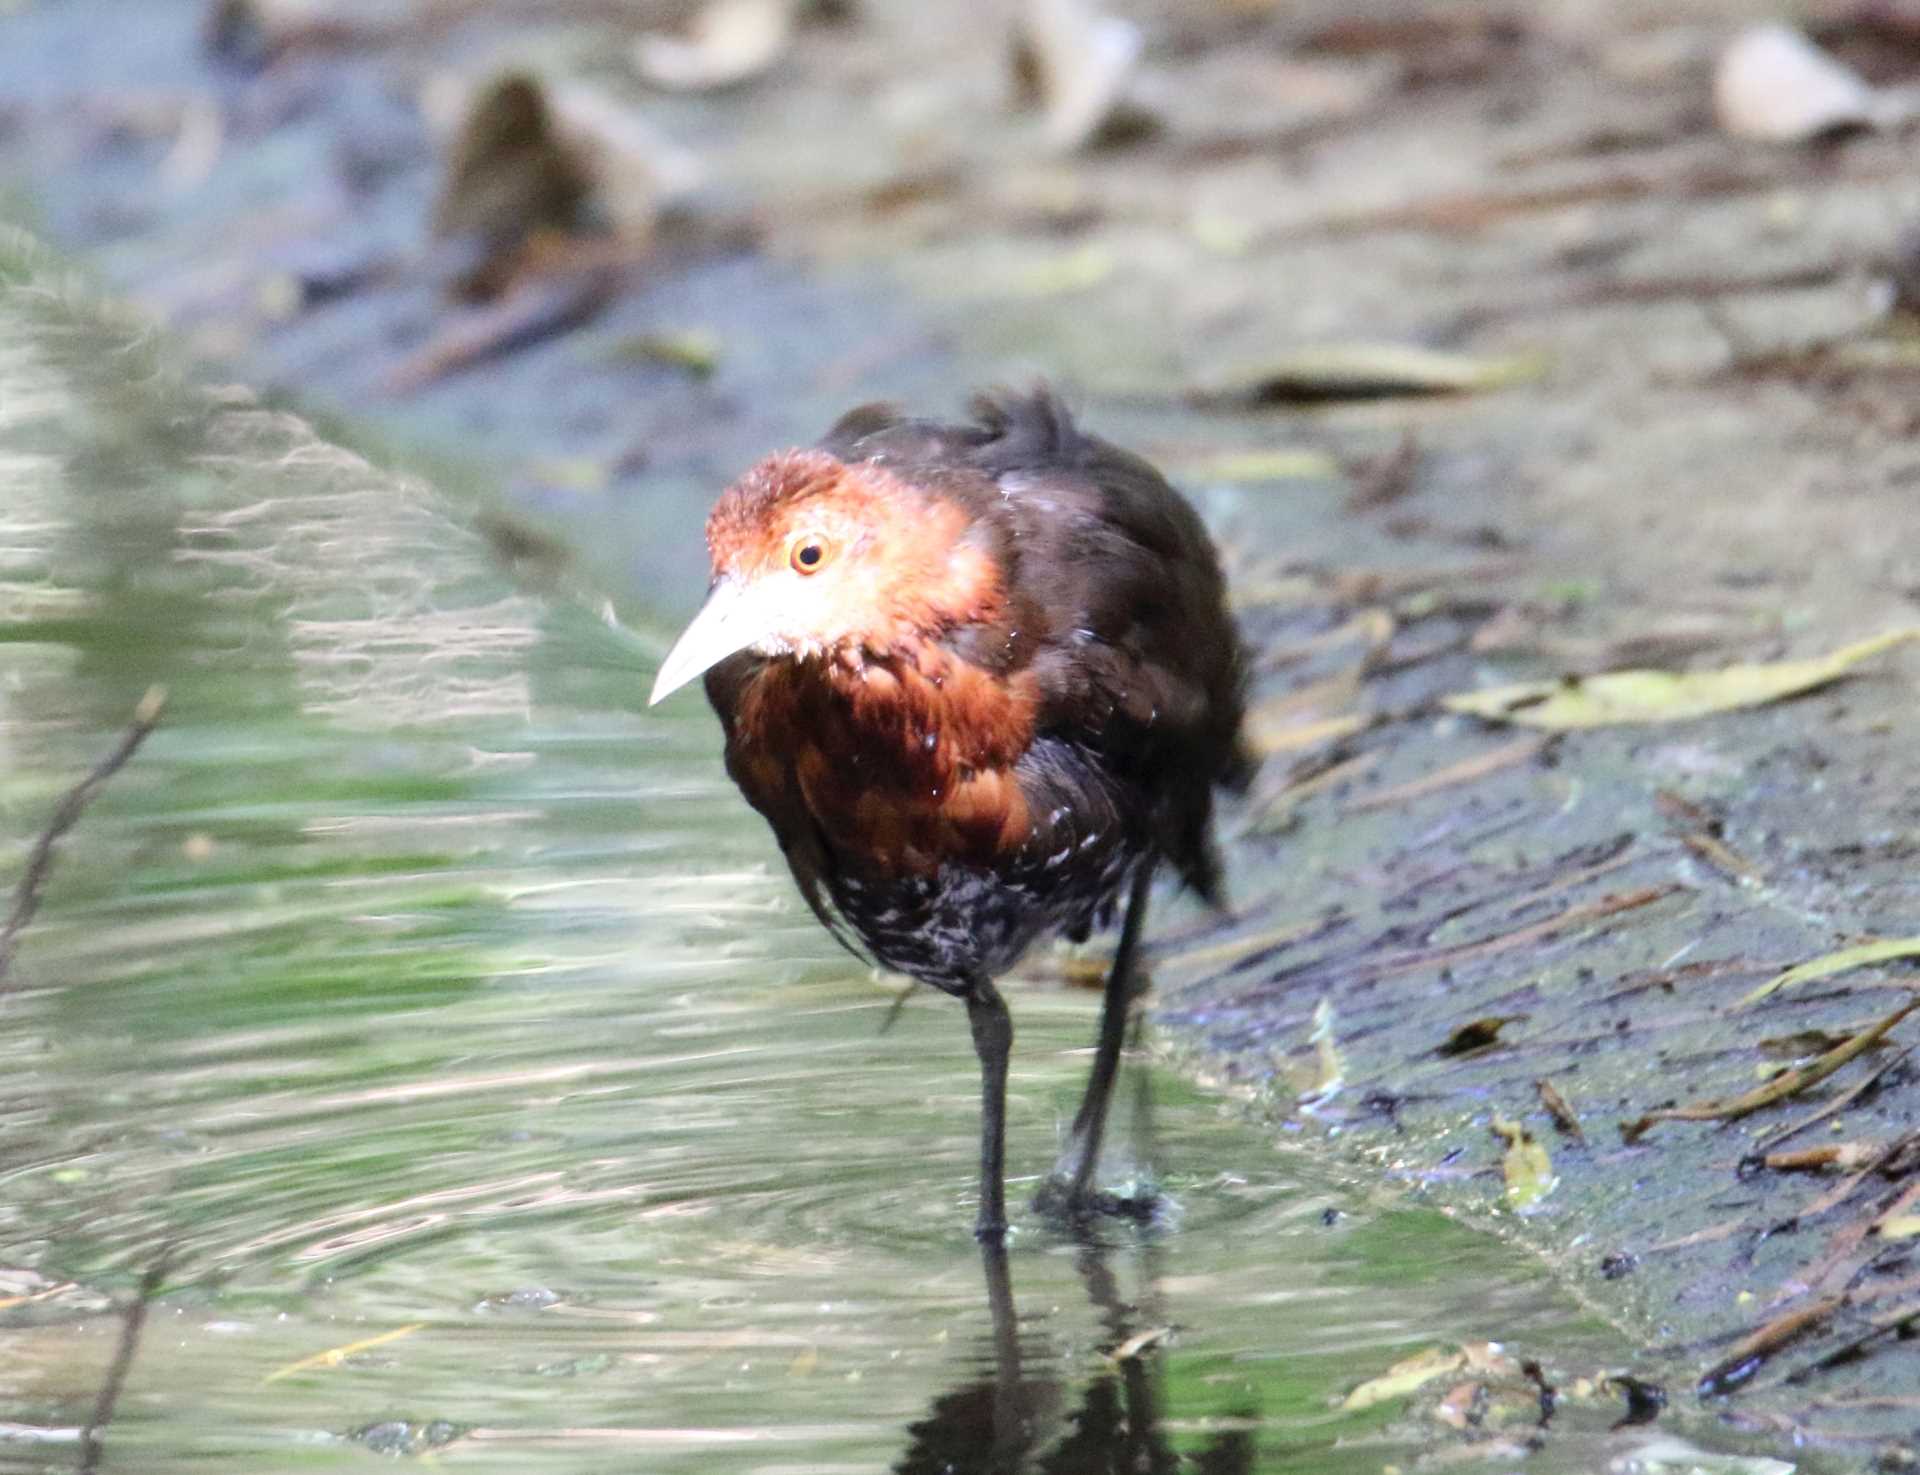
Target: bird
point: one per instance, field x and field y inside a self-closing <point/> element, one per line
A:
<point x="982" y="681"/>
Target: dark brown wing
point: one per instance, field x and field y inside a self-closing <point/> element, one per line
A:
<point x="1140" y="662"/>
<point x="1117" y="605"/>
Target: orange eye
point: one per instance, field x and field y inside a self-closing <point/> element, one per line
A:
<point x="809" y="554"/>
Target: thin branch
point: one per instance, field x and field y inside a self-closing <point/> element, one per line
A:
<point x="26" y="896"/>
<point x="133" y="1322"/>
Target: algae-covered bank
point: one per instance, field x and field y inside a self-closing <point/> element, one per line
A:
<point x="413" y="1045"/>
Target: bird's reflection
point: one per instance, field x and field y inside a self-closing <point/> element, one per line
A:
<point x="1008" y="1423"/>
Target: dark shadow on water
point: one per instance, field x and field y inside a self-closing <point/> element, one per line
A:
<point x="1002" y="1424"/>
<point x="1005" y="1422"/>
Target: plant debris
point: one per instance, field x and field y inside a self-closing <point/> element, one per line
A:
<point x="66" y="814"/>
<point x="509" y="176"/>
<point x="1404" y="1377"/>
<point x="1862" y="955"/>
<point x="1076" y="64"/>
<point x="727" y="42"/>
<point x="1480" y="1034"/>
<point x="1664" y="696"/>
<point x="1564" y="1116"/>
<point x="1466" y="771"/>
<point x="1329" y="1066"/>
<point x="1526" y="1165"/>
<point x="1775" y="85"/>
<point x="1360" y="371"/>
<point x="1750" y="1354"/>
<point x="335" y="1356"/>
<point x="1788" y="1083"/>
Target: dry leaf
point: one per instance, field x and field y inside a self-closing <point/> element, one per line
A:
<point x="1789" y="1083"/>
<point x="1527" y="1165"/>
<point x="1405" y="1377"/>
<point x="1476" y="1035"/>
<point x="1329" y="1068"/>
<point x="1773" y="84"/>
<point x="1845" y="1156"/>
<point x="1560" y="1109"/>
<point x="632" y="170"/>
<point x="1884" y="951"/>
<point x="727" y="43"/>
<point x="1139" y="1342"/>
<point x="1077" y="63"/>
<point x="1664" y="696"/>
<point x="1361" y="371"/>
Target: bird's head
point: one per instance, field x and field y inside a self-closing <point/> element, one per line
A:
<point x="815" y="557"/>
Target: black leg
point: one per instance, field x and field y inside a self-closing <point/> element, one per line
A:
<point x="992" y="1042"/>
<point x="1069" y="1188"/>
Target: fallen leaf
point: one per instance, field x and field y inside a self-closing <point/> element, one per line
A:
<point x="1527" y="1166"/>
<point x="1361" y="371"/>
<point x="695" y="349"/>
<point x="509" y="175"/>
<point x="1664" y="696"/>
<point x="1139" y="1342"/>
<point x="1773" y="84"/>
<point x="1885" y="950"/>
<point x="1901" y="1226"/>
<point x="1329" y="1068"/>
<point x="728" y="42"/>
<point x="1788" y="1084"/>
<point x="334" y="1356"/>
<point x="1562" y="1112"/>
<point x="1843" y="1155"/>
<point x="1405" y="1377"/>
<point x="1476" y="1035"/>
<point x="1077" y="64"/>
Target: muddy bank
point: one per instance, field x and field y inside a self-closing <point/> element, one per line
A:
<point x="1677" y="436"/>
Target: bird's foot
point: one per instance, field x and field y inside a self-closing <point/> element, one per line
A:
<point x="1078" y="1206"/>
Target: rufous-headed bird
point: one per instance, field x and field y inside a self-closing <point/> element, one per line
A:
<point x="981" y="680"/>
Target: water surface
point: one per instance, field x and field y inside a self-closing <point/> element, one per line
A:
<point x="418" y="992"/>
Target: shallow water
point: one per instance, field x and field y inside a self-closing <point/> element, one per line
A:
<point x="416" y="991"/>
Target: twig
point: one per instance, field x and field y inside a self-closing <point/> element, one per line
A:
<point x="132" y="1323"/>
<point x="1838" y="1104"/>
<point x="26" y="896"/>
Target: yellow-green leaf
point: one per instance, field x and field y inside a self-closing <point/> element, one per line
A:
<point x="1404" y="1377"/>
<point x="1528" y="1166"/>
<point x="1827" y="964"/>
<point x="1664" y="696"/>
<point x="1255" y="466"/>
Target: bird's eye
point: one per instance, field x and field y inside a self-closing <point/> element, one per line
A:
<point x="809" y="554"/>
